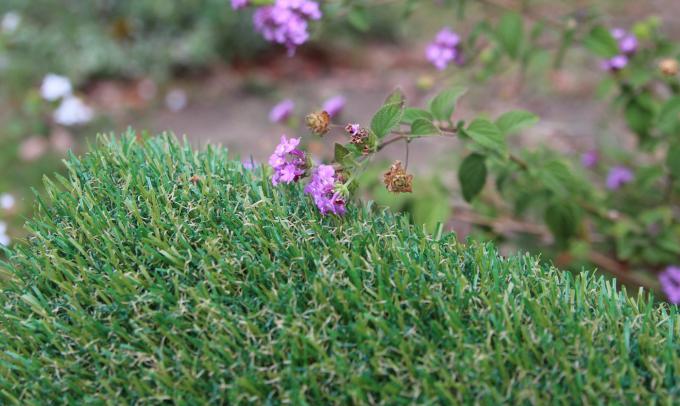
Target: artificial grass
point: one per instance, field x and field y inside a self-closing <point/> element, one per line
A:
<point x="140" y="285"/>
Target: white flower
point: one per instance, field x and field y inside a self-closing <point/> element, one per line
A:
<point x="73" y="111"/>
<point x="55" y="87"/>
<point x="10" y="22"/>
<point x="4" y="238"/>
<point x="176" y="100"/>
<point x="6" y="201"/>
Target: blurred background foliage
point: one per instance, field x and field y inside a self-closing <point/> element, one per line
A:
<point x="199" y="67"/>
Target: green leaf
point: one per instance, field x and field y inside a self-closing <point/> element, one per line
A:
<point x="486" y="134"/>
<point x="513" y="121"/>
<point x="510" y="33"/>
<point x="341" y="153"/>
<point x="424" y="127"/>
<point x="639" y="116"/>
<point x="411" y="113"/>
<point x="386" y="119"/>
<point x="397" y="96"/>
<point x="472" y="175"/>
<point x="673" y="160"/>
<point x="556" y="175"/>
<point x="359" y="18"/>
<point x="600" y="42"/>
<point x="563" y="220"/>
<point x="444" y="104"/>
<point x="669" y="115"/>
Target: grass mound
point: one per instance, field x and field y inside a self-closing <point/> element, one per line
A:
<point x="157" y="273"/>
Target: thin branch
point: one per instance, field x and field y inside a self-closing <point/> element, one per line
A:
<point x="408" y="141"/>
<point x="391" y="141"/>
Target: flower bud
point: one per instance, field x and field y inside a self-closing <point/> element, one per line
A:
<point x="669" y="67"/>
<point x="397" y="180"/>
<point x="318" y="122"/>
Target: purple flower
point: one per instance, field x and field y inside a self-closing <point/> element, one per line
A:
<point x="238" y="4"/>
<point x="619" y="176"/>
<point x="289" y="163"/>
<point x="282" y="111"/>
<point x="670" y="283"/>
<point x="590" y="158"/>
<point x="627" y="44"/>
<point x="353" y="129"/>
<point x="444" y="49"/>
<point x="618" y="33"/>
<point x="322" y="190"/>
<point x="249" y="164"/>
<point x="285" y="22"/>
<point x="334" y="105"/>
<point x="615" y="64"/>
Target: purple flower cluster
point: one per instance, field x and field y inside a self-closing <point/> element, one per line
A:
<point x="445" y="49"/>
<point x="238" y="4"/>
<point x="628" y="45"/>
<point x="285" y="22"/>
<point x="288" y="162"/>
<point x="670" y="283"/>
<point x="282" y="111"/>
<point x="590" y="158"/>
<point x="619" y="176"/>
<point x="334" y="105"/>
<point x="322" y="190"/>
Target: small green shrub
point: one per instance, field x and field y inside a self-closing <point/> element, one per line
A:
<point x="157" y="273"/>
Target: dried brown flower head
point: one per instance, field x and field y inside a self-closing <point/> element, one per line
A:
<point x="318" y="122"/>
<point x="358" y="136"/>
<point x="397" y="180"/>
<point x="669" y="67"/>
<point x="194" y="179"/>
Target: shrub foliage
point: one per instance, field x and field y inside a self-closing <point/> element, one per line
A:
<point x="158" y="273"/>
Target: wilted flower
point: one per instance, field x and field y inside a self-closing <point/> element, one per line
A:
<point x="334" y="105"/>
<point x="445" y="49"/>
<point x="619" y="176"/>
<point x="397" y="180"/>
<point x="238" y="4"/>
<point x="4" y="238"/>
<point x="669" y="67"/>
<point x="318" y="122"/>
<point x="288" y="162"/>
<point x="7" y="201"/>
<point x="670" y="283"/>
<point x="359" y="135"/>
<point x="322" y="188"/>
<point x="10" y="22"/>
<point x="590" y="158"/>
<point x="282" y="111"/>
<point x="55" y="87"/>
<point x="73" y="111"/>
<point x="285" y="22"/>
